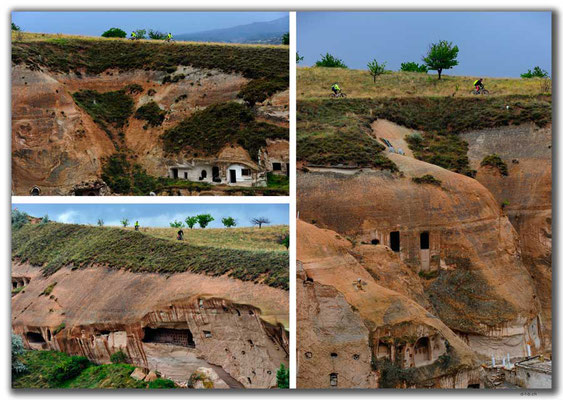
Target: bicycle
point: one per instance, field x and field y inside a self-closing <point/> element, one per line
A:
<point x="337" y="95"/>
<point x="482" y="91"/>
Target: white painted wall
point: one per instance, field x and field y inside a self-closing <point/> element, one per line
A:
<point x="238" y="168"/>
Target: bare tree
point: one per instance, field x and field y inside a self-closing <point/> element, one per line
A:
<point x="259" y="221"/>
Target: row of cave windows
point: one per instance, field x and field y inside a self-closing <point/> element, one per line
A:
<point x="308" y="354"/>
<point x="395" y="241"/>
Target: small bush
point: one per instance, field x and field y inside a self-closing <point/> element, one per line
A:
<point x="151" y="113"/>
<point x="114" y="33"/>
<point x="119" y="357"/>
<point x="414" y="67"/>
<point x="228" y="222"/>
<point x="59" y="328"/>
<point x="427" y="179"/>
<point x="494" y="160"/>
<point x="134" y="88"/>
<point x="428" y="274"/>
<point x="18" y="350"/>
<point x="537" y="72"/>
<point x="68" y="369"/>
<point x="49" y="289"/>
<point x="258" y="90"/>
<point x="19" y="219"/>
<point x="161" y="383"/>
<point x="391" y="375"/>
<point x="282" y="377"/>
<point x="329" y="61"/>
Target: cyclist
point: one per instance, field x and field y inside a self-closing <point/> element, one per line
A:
<point x="336" y="89"/>
<point x="133" y="35"/>
<point x="478" y="85"/>
<point x="169" y="37"/>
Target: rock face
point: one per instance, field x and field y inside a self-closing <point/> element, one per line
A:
<point x="173" y="324"/>
<point x="57" y="146"/>
<point x="526" y="193"/>
<point x="352" y="332"/>
<point x="450" y="248"/>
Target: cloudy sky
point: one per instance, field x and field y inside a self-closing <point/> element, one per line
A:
<point x="158" y="215"/>
<point x="495" y="44"/>
<point x="94" y="23"/>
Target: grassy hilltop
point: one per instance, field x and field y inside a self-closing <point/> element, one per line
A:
<point x="338" y="131"/>
<point x="53" y="246"/>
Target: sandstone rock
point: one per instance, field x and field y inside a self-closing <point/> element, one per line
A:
<point x="139" y="374"/>
<point x="151" y="376"/>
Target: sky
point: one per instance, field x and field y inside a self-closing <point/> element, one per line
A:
<point x="94" y="23"/>
<point x="494" y="44"/>
<point x="156" y="215"/>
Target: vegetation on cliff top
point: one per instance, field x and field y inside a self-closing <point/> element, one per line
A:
<point x="440" y="118"/>
<point x="53" y="246"/>
<point x="95" y="55"/>
<point x="209" y="130"/>
<point x="56" y="370"/>
<point x="152" y="113"/>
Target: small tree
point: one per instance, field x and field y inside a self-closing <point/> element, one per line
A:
<point x="17" y="351"/>
<point x="157" y="35"/>
<point x="329" y="61"/>
<point x="119" y="357"/>
<point x="285" y="241"/>
<point x="536" y="73"/>
<point x="176" y="224"/>
<point x="114" y="32"/>
<point x="15" y="27"/>
<point x="44" y="220"/>
<point x="124" y="222"/>
<point x="282" y="377"/>
<point x="299" y="58"/>
<point x="19" y="218"/>
<point x="411" y="66"/>
<point x="260" y="221"/>
<point x="100" y="222"/>
<point x="141" y="33"/>
<point x="229" y="222"/>
<point x="440" y="56"/>
<point x="204" y="219"/>
<point x="285" y="38"/>
<point x="191" y="221"/>
<point x="376" y="69"/>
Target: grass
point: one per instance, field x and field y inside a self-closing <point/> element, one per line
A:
<point x="267" y="238"/>
<point x="427" y="180"/>
<point x="95" y="55"/>
<point x="494" y="161"/>
<point x="56" y="370"/>
<point x="316" y="82"/>
<point x="338" y="130"/>
<point x="278" y="181"/>
<point x="53" y="246"/>
<point x="208" y="131"/>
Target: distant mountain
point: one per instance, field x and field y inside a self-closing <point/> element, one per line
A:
<point x="270" y="32"/>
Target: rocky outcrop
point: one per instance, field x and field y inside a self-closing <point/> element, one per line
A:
<point x="172" y="324"/>
<point x="460" y="246"/>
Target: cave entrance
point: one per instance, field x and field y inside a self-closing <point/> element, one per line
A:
<point x="473" y="386"/>
<point x="35" y="337"/>
<point x="35" y="191"/>
<point x="421" y="351"/>
<point x="203" y="175"/>
<point x="233" y="175"/>
<point x="287" y="169"/>
<point x="276" y="166"/>
<point x="215" y="174"/>
<point x="178" y="337"/>
<point x="424" y="241"/>
<point x="175" y="173"/>
<point x="375" y="241"/>
<point x="395" y="239"/>
<point x="333" y="379"/>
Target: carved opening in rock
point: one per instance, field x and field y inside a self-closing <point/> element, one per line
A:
<point x="287" y="169"/>
<point x="35" y="191"/>
<point x="309" y="279"/>
<point x="207" y="334"/>
<point x="104" y="333"/>
<point x="333" y="379"/>
<point x="185" y="175"/>
<point x="245" y="172"/>
<point x="375" y="241"/>
<point x="473" y="386"/>
<point x="395" y="239"/>
<point x="356" y="356"/>
<point x="175" y="173"/>
<point x="383" y="350"/>
<point x="178" y="337"/>
<point x="424" y="241"/>
<point x="249" y="381"/>
<point x="333" y="355"/>
<point x="250" y="312"/>
<point x="87" y="192"/>
<point x="238" y="312"/>
<point x="34" y="337"/>
<point x="250" y="342"/>
<point x="203" y="175"/>
<point x="421" y="350"/>
<point x="48" y="335"/>
<point x="308" y="354"/>
<point x="276" y="166"/>
<point x="215" y="174"/>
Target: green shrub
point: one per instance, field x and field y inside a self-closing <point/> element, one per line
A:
<point x="151" y="113"/>
<point x="68" y="369"/>
<point x="18" y="367"/>
<point x="391" y="375"/>
<point x="49" y="289"/>
<point x="537" y="72"/>
<point x="228" y="222"/>
<point x="329" y="61"/>
<point x="114" y="32"/>
<point x="494" y="160"/>
<point x="427" y="179"/>
<point x="19" y="219"/>
<point x="156" y="35"/>
<point x="134" y="88"/>
<point x="211" y="129"/>
<point x="282" y="377"/>
<point x="428" y="274"/>
<point x="59" y="328"/>
<point x="161" y="383"/>
<point x="414" y="67"/>
<point x="119" y="357"/>
<point x="204" y="219"/>
<point x="109" y="108"/>
<point x="258" y="90"/>
<point x="15" y="27"/>
<point x="177" y="224"/>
